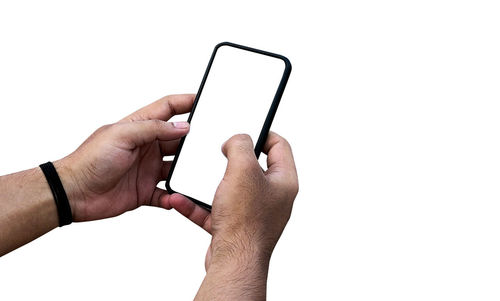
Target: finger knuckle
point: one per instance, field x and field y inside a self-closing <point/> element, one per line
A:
<point x="285" y="142"/>
<point x="168" y="104"/>
<point x="294" y="188"/>
<point x="104" y="128"/>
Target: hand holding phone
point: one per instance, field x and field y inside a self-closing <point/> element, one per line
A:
<point x="239" y="93"/>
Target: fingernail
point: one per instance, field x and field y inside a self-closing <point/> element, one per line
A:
<point x="181" y="124"/>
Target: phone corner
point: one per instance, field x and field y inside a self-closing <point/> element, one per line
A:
<point x="288" y="64"/>
<point x="225" y="43"/>
<point x="168" y="188"/>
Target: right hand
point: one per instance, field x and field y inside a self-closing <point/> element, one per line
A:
<point x="251" y="206"/>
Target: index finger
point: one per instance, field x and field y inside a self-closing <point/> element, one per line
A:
<point x="190" y="210"/>
<point x="279" y="155"/>
<point x="164" y="108"/>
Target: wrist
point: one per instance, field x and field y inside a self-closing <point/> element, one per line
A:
<point x="246" y="265"/>
<point x="236" y="274"/>
<point x="238" y="252"/>
<point x="71" y="187"/>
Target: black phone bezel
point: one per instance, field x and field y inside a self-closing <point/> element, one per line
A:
<point x="267" y="123"/>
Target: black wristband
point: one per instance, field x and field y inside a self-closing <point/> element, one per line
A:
<point x="60" y="197"/>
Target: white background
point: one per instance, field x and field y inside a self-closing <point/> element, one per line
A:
<point x="392" y="110"/>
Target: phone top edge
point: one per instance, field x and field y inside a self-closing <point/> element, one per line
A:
<point x="288" y="64"/>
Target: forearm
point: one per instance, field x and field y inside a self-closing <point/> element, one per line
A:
<point x="238" y="278"/>
<point x="27" y="208"/>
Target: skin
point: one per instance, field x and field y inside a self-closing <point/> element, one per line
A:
<point x="118" y="168"/>
<point x="115" y="170"/>
<point x="250" y="210"/>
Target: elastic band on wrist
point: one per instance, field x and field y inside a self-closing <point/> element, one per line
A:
<point x="60" y="197"/>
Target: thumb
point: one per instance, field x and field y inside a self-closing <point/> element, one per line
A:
<point x="239" y="151"/>
<point x="138" y="133"/>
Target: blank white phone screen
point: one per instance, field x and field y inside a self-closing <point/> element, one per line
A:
<point x="236" y="98"/>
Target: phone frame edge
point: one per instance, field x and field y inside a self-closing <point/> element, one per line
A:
<point x="267" y="123"/>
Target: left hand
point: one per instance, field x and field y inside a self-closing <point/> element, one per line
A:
<point x="118" y="167"/>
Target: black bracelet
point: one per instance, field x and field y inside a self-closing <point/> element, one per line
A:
<point x="60" y="197"/>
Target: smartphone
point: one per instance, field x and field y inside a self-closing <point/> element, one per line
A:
<point x="239" y="93"/>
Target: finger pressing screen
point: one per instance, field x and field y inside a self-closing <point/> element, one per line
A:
<point x="240" y="153"/>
